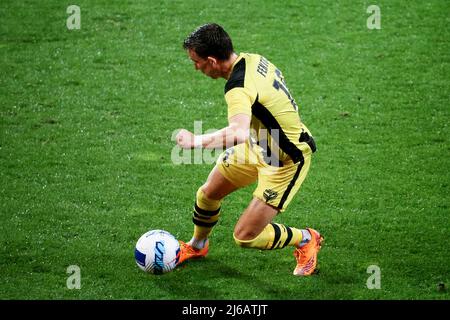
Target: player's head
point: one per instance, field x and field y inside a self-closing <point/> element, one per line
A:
<point x="208" y="46"/>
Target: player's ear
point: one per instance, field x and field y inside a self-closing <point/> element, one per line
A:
<point x="212" y="60"/>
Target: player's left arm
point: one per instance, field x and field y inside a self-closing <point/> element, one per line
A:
<point x="236" y="132"/>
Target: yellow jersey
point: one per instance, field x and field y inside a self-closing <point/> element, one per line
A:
<point x="257" y="88"/>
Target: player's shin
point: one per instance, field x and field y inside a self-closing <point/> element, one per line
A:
<point x="205" y="216"/>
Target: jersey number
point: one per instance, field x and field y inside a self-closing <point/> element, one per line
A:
<point x="282" y="85"/>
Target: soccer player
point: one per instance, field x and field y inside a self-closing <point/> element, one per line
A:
<point x="267" y="143"/>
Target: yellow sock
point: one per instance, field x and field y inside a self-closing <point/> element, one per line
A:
<point x="205" y="216"/>
<point x="274" y="236"/>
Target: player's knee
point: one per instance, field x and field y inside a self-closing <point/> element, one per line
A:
<point x="205" y="202"/>
<point x="209" y="192"/>
<point x="244" y="232"/>
<point x="240" y="242"/>
<point x="244" y="238"/>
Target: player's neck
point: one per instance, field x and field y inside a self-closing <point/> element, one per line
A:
<point x="228" y="66"/>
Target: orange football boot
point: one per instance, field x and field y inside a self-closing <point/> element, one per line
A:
<point x="306" y="256"/>
<point x="188" y="252"/>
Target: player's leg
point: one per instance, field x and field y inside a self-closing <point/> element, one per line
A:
<point x="207" y="206"/>
<point x="255" y="229"/>
<point x="232" y="171"/>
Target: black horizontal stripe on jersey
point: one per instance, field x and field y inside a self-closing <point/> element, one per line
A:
<point x="237" y="76"/>
<point x="269" y="121"/>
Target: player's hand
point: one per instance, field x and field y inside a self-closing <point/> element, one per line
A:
<point x="185" y="139"/>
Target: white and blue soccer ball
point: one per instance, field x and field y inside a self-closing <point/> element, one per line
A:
<point x="157" y="251"/>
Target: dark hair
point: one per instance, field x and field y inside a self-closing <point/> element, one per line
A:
<point x="210" y="40"/>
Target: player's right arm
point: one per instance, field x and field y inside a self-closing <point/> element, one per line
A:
<point x="239" y="101"/>
<point x="236" y="132"/>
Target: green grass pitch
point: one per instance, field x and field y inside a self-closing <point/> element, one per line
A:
<point x="87" y="118"/>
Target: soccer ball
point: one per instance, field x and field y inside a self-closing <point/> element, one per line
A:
<point x="156" y="252"/>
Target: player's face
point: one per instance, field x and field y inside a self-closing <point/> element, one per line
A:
<point x="207" y="66"/>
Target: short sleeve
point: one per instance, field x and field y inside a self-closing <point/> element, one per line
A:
<point x="239" y="100"/>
